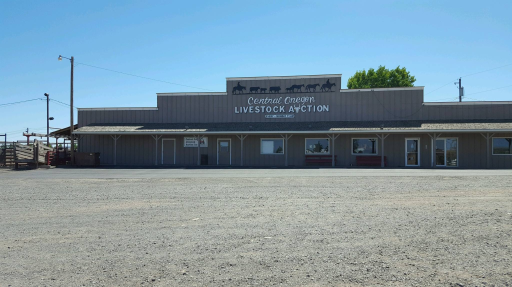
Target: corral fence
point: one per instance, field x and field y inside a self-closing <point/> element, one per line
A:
<point x="18" y="154"/>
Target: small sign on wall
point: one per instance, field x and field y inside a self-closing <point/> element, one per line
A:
<point x="192" y="142"/>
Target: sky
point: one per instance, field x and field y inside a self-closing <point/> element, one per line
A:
<point x="197" y="44"/>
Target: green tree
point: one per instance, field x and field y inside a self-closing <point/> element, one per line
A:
<point x="381" y="78"/>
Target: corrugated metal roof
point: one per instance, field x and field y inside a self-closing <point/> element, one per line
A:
<point x="302" y="127"/>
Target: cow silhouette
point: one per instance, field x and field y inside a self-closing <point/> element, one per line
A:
<point x="327" y="86"/>
<point x="254" y="89"/>
<point x="289" y="90"/>
<point x="297" y="87"/>
<point x="312" y="87"/>
<point x="263" y="90"/>
<point x="276" y="89"/>
<point x="238" y="88"/>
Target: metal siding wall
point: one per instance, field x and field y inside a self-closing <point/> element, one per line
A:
<point x="355" y="106"/>
<point x="140" y="150"/>
<point x="346" y="106"/>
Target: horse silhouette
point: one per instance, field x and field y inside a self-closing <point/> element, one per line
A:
<point x="254" y="89"/>
<point x="238" y="88"/>
<point x="297" y="87"/>
<point x="263" y="90"/>
<point x="312" y="87"/>
<point x="327" y="86"/>
<point x="274" y="89"/>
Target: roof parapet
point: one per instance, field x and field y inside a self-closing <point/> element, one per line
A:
<point x="283" y="77"/>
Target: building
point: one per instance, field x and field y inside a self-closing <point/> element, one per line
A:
<point x="299" y="121"/>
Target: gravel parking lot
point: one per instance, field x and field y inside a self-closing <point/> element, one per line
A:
<point x="224" y="228"/>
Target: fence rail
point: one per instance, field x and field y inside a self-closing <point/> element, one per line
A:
<point x="7" y="154"/>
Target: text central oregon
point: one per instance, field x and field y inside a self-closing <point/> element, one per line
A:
<point x="281" y="105"/>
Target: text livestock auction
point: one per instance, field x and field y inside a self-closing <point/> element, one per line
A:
<point x="281" y="105"/>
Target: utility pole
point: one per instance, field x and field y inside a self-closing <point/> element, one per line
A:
<point x="461" y="90"/>
<point x="71" y="127"/>
<point x="47" y="118"/>
<point x="28" y="137"/>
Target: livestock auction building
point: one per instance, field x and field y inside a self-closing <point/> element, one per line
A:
<point x="300" y="121"/>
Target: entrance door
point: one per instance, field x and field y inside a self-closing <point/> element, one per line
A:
<point x="168" y="151"/>
<point x="447" y="152"/>
<point x="223" y="152"/>
<point x="412" y="152"/>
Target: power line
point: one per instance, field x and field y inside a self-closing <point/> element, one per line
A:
<point x="439" y="88"/>
<point x="20" y="102"/>
<point x="31" y="130"/>
<point x="452" y="98"/>
<point x="487" y="70"/>
<point x="62" y="103"/>
<point x="490" y="90"/>
<point x="142" y="77"/>
<point x="469" y="76"/>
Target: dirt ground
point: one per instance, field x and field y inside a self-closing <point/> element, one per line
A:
<point x="291" y="231"/>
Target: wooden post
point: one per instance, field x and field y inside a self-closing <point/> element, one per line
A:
<point x="156" y="138"/>
<point x="241" y="138"/>
<point x="115" y="137"/>
<point x="487" y="138"/>
<point x="286" y="138"/>
<point x="433" y="156"/>
<point x="14" y="146"/>
<point x="198" y="137"/>
<point x="382" y="138"/>
<point x="36" y="153"/>
<point x="333" y="138"/>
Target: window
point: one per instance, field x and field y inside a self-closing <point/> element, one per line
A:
<point x="364" y="146"/>
<point x="319" y="146"/>
<point x="224" y="146"/>
<point x="272" y="146"/>
<point x="447" y="152"/>
<point x="501" y="146"/>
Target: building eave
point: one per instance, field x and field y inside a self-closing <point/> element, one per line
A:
<point x="383" y="131"/>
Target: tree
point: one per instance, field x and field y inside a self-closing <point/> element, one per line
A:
<point x="381" y="78"/>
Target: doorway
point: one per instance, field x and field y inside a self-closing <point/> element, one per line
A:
<point x="168" y="151"/>
<point x="447" y="152"/>
<point x="412" y="152"/>
<point x="223" y="151"/>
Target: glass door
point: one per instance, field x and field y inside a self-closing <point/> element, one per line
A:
<point x="451" y="152"/>
<point x="440" y="152"/>
<point x="412" y="152"/>
<point x="447" y="152"/>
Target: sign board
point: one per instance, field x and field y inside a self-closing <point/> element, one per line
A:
<point x="279" y="116"/>
<point x="281" y="107"/>
<point x="192" y="142"/>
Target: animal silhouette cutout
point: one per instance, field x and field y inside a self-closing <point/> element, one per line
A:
<point x="263" y="90"/>
<point x="289" y="90"/>
<point x="276" y="89"/>
<point x="254" y="89"/>
<point x="297" y="87"/>
<point x="312" y="87"/>
<point x="238" y="88"/>
<point x="327" y="86"/>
